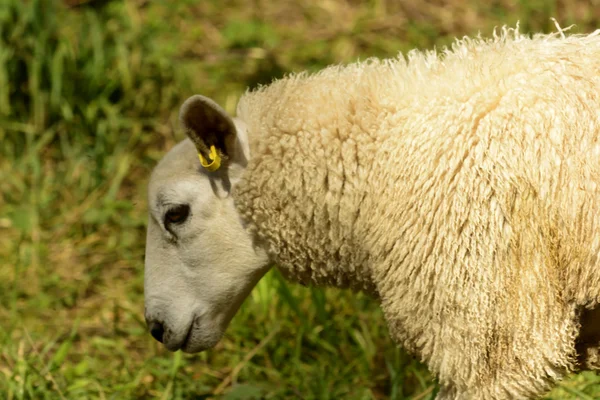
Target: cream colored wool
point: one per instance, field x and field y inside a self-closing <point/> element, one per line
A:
<point x="461" y="189"/>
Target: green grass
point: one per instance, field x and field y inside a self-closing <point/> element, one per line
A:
<point x="88" y="104"/>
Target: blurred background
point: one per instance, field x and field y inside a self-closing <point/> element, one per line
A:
<point x="89" y="93"/>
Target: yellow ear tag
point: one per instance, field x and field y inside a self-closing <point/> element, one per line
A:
<point x="215" y="160"/>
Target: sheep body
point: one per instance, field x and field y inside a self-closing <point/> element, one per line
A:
<point x="461" y="189"/>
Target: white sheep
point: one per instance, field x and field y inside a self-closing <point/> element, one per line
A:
<point x="461" y="189"/>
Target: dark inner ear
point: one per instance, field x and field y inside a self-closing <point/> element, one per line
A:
<point x="207" y="124"/>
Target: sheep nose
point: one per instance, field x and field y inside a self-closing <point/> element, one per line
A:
<point x="156" y="330"/>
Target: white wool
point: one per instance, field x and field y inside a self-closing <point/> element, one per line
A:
<point x="461" y="188"/>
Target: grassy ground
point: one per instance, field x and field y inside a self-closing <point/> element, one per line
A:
<point x="88" y="98"/>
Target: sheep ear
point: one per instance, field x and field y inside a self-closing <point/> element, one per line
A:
<point x="211" y="129"/>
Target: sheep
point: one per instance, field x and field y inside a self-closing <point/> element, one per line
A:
<point x="459" y="188"/>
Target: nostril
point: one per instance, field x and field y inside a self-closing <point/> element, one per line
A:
<point x="157" y="331"/>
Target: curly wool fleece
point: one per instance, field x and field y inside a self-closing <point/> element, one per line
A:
<point x="461" y="189"/>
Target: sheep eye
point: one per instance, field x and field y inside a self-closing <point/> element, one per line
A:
<point x="177" y="215"/>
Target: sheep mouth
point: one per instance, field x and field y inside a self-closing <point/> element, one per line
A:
<point x="200" y="338"/>
<point x="173" y="346"/>
<point x="186" y="340"/>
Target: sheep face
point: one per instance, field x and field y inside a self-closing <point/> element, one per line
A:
<point x="200" y="261"/>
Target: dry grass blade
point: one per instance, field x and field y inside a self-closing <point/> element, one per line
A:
<point x="49" y="375"/>
<point x="236" y="370"/>
<point x="423" y="394"/>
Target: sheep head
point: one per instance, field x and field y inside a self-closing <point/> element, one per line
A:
<point x="200" y="262"/>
